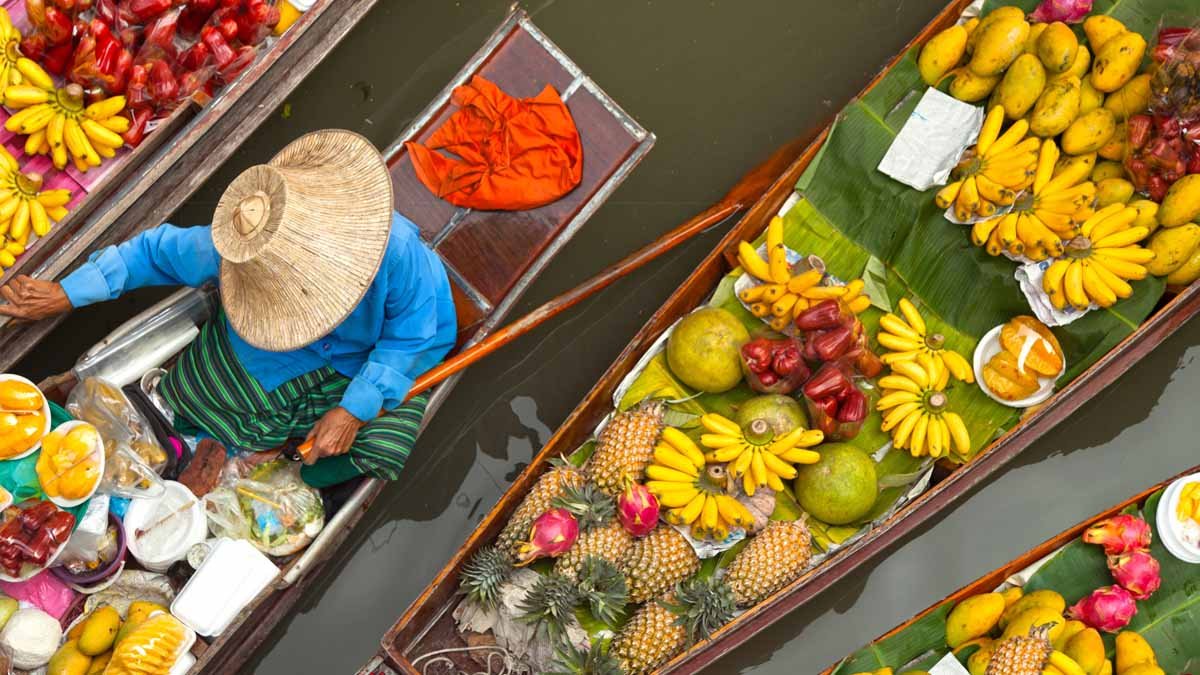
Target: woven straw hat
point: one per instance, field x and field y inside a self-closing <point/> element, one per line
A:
<point x="302" y="237"/>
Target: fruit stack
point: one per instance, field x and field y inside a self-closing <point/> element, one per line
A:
<point x="23" y="421"/>
<point x="31" y="534"/>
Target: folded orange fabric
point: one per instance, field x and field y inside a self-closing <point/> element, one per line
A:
<point x="512" y="154"/>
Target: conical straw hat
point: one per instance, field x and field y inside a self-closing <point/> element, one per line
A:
<point x="302" y="237"/>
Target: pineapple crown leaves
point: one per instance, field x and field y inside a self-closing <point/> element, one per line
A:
<point x="595" y="660"/>
<point x="550" y="603"/>
<point x="604" y="589"/>
<point x="701" y="606"/>
<point x="590" y="506"/>
<point x="483" y="575"/>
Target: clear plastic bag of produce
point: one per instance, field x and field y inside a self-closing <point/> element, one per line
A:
<point x="133" y="458"/>
<point x="268" y="505"/>
<point x="836" y="403"/>
<point x="31" y="535"/>
<point x="773" y="364"/>
<point x="127" y="475"/>
<point x="1164" y="141"/>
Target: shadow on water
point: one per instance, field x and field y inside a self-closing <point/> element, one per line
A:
<point x="722" y="84"/>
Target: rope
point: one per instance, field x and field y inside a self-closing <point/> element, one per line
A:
<point x="508" y="664"/>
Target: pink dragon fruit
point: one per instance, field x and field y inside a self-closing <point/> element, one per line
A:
<point x="1108" y="609"/>
<point x="1119" y="534"/>
<point x="1069" y="11"/>
<point x="637" y="509"/>
<point x="552" y="534"/>
<point x="1136" y="572"/>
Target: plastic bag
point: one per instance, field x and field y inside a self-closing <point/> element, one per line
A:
<point x="32" y="533"/>
<point x="836" y="404"/>
<point x="44" y="591"/>
<point x="268" y="505"/>
<point x="774" y="365"/>
<point x="120" y="424"/>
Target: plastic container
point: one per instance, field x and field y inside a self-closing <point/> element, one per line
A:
<point x="1170" y="530"/>
<point x="4" y="377"/>
<point x="231" y="576"/>
<point x="988" y="347"/>
<point x="104" y="571"/>
<point x="171" y="524"/>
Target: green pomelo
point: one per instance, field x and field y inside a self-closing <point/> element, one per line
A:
<point x="839" y="489"/>
<point x="783" y="413"/>
<point x="703" y="350"/>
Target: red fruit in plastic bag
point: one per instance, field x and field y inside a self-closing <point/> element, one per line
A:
<point x="832" y="344"/>
<point x="57" y="27"/>
<point x="1139" y="127"/>
<point x="823" y="315"/>
<point x="244" y="57"/>
<point x="218" y="46"/>
<point x="830" y="381"/>
<point x="868" y="363"/>
<point x="787" y="361"/>
<point x="145" y="10"/>
<point x="757" y="354"/>
<point x="164" y="88"/>
<point x="853" y="407"/>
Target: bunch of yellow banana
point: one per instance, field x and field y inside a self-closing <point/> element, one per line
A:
<point x="1040" y="221"/>
<point x="756" y="455"/>
<point x="914" y="406"/>
<point x="906" y="338"/>
<point x="692" y="492"/>
<point x="993" y="174"/>
<point x="1099" y="263"/>
<point x="10" y="50"/>
<point x="57" y="123"/>
<point x="24" y="208"/>
<point x="783" y="296"/>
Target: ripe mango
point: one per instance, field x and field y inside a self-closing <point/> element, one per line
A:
<point x="977" y="663"/>
<point x="1117" y="61"/>
<point x="1130" y="99"/>
<point x="1021" y="86"/>
<point x="1011" y="595"/>
<point x="1186" y="273"/>
<point x="1114" y="149"/>
<point x="1035" y="32"/>
<point x="1132" y="649"/>
<point x="941" y="54"/>
<point x="1147" y="214"/>
<point x="1107" y="169"/>
<point x="971" y="88"/>
<point x="99" y="630"/>
<point x="999" y="45"/>
<point x="1144" y="669"/>
<point x="1072" y="629"/>
<point x="1113" y="191"/>
<point x="1099" y="28"/>
<point x="1182" y="203"/>
<point x="1042" y="598"/>
<point x="1089" y="132"/>
<point x="1006" y="13"/>
<point x="68" y="660"/>
<point x="974" y="617"/>
<point x="1088" y="651"/>
<point x="1083" y="62"/>
<point x="1089" y="98"/>
<point x="99" y="663"/>
<point x="1036" y="616"/>
<point x="1172" y="247"/>
<point x="1056" y="108"/>
<point x="140" y="610"/>
<point x="1056" y="47"/>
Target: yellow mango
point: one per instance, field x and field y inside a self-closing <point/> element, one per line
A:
<point x="1072" y="629"/>
<point x="140" y="610"/>
<point x="1099" y="28"/>
<point x="1036" y="616"/>
<point x="1087" y="648"/>
<point x="1107" y="169"/>
<point x="1043" y="598"/>
<point x="1089" y="132"/>
<point x="99" y="663"/>
<point x="1006" y="13"/>
<point x="1011" y="595"/>
<point x="1113" y="191"/>
<point x="1172" y="247"/>
<point x="1147" y="214"/>
<point x="977" y="663"/>
<point x="941" y="54"/>
<point x="1131" y="99"/>
<point x="1132" y="649"/>
<point x="1089" y="98"/>
<point x="68" y="660"/>
<point x="1182" y="203"/>
<point x="1056" y="108"/>
<point x="1035" y="32"/>
<point x="1108" y="668"/>
<point x="1022" y="85"/>
<point x="1186" y="273"/>
<point x="974" y="617"/>
<point x="971" y="25"/>
<point x="1117" y="61"/>
<point x="1144" y="669"/>
<point x="1056" y="47"/>
<point x="999" y="45"/>
<point x="1114" y="149"/>
<point x="99" y="630"/>
<point x="1083" y="61"/>
<point x="969" y="87"/>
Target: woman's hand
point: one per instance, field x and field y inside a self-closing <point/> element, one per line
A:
<point x="30" y="299"/>
<point x="332" y="435"/>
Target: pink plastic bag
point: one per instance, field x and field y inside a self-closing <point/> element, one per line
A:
<point x="44" y="591"/>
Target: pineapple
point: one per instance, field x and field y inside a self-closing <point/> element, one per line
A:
<point x="553" y="483"/>
<point x="603" y="588"/>
<point x="625" y="446"/>
<point x="1029" y="655"/>
<point x="594" y="661"/>
<point x="662" y="629"/>
<point x="772" y="560"/>
<point x="600" y="533"/>
<point x="484" y="573"/>
<point x="550" y="604"/>
<point x="657" y="562"/>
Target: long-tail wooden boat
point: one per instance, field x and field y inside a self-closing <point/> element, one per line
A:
<point x="487" y="280"/>
<point x="144" y="186"/>
<point x="427" y="625"/>
<point x="1186" y="650"/>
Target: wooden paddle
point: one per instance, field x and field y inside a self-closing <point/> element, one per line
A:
<point x="741" y="196"/>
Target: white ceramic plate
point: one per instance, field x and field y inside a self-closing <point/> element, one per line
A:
<point x="98" y="449"/>
<point x="988" y="347"/>
<point x="1168" y="527"/>
<point x="5" y="377"/>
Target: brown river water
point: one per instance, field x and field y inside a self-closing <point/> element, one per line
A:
<point x="722" y="84"/>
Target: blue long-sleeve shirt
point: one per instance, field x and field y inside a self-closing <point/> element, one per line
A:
<point x="403" y="326"/>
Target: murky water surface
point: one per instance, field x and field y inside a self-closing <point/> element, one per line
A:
<point x="722" y="84"/>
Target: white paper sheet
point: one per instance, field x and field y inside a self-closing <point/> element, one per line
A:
<point x="932" y="140"/>
<point x="1029" y="278"/>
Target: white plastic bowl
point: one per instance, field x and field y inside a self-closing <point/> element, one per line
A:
<point x="1169" y="528"/>
<point x="190" y="527"/>
<point x="98" y="449"/>
<point x="5" y="377"/>
<point x="988" y="347"/>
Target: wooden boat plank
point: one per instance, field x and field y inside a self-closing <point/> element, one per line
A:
<point x="177" y="169"/>
<point x="417" y="630"/>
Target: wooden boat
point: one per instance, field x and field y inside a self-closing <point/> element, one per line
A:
<point x="992" y="580"/>
<point x="427" y="626"/>
<point x="487" y="280"/>
<point x="146" y="185"/>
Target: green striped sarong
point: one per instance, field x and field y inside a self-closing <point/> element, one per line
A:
<point x="209" y="388"/>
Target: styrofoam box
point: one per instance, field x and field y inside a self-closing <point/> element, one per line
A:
<point x="229" y="578"/>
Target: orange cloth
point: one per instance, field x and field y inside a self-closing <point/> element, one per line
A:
<point x="513" y="154"/>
